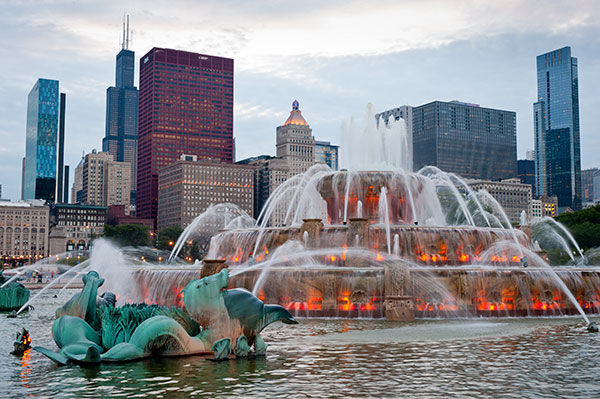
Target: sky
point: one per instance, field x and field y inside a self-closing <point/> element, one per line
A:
<point x="334" y="57"/>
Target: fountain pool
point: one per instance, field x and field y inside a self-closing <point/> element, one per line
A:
<point x="507" y="358"/>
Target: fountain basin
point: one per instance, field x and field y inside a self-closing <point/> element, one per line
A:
<point x="433" y="292"/>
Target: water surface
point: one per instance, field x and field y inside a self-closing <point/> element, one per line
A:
<point x="500" y="358"/>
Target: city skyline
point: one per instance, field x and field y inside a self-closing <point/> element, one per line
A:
<point x="387" y="65"/>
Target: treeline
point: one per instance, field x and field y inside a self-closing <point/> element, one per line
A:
<point x="584" y="225"/>
<point x="135" y="235"/>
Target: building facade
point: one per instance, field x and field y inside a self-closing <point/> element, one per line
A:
<point x="92" y="192"/>
<point x="41" y="148"/>
<point x="549" y="205"/>
<point x="121" y="134"/>
<point x="327" y="153"/>
<point x="404" y="112"/>
<point x="295" y="142"/>
<point x="536" y="208"/>
<point x="77" y="188"/>
<point x="269" y="173"/>
<point x="73" y="227"/>
<point x="105" y="182"/>
<point x="514" y="196"/>
<point x="185" y="106"/>
<point x="587" y="184"/>
<point x="23" y="231"/>
<point x="187" y="188"/>
<point x="526" y="173"/>
<point x="556" y="128"/>
<point x="596" y="196"/>
<point x="117" y="184"/>
<point x="466" y="139"/>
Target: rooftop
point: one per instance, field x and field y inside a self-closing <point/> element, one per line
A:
<point x="295" y="117"/>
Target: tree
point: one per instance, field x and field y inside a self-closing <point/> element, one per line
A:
<point x="584" y="225"/>
<point x="128" y="235"/>
<point x="168" y="236"/>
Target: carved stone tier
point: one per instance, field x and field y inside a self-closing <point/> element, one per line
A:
<point x="357" y="235"/>
<point x="212" y="266"/>
<point x="398" y="300"/>
<point x="313" y="228"/>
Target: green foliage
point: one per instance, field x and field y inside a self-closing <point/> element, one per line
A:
<point x="591" y="214"/>
<point x="587" y="234"/>
<point x="72" y="261"/>
<point x="128" y="235"/>
<point x="584" y="225"/>
<point x="167" y="237"/>
<point x="558" y="257"/>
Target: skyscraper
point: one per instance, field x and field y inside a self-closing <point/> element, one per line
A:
<point x="185" y="107"/>
<point x="122" y="111"/>
<point x="105" y="182"/>
<point x="556" y="128"/>
<point x="526" y="172"/>
<point x="295" y="142"/>
<point x="466" y="139"/>
<point x="41" y="149"/>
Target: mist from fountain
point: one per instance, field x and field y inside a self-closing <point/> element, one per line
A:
<point x="215" y="218"/>
<point x="375" y="147"/>
<point x="396" y="245"/>
<point x="535" y="259"/>
<point x="492" y="202"/>
<point x="37" y="266"/>
<point x="384" y="217"/>
<point x="48" y="286"/>
<point x="548" y="231"/>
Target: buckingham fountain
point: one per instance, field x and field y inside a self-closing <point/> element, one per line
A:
<point x="376" y="240"/>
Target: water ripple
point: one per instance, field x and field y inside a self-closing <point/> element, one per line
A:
<point x="513" y="358"/>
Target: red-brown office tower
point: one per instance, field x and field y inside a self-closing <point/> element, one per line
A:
<point x="186" y="107"/>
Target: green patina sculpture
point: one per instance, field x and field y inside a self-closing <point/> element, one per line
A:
<point x="84" y="304"/>
<point x="89" y="329"/>
<point x="13" y="296"/>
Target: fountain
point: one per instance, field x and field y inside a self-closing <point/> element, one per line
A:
<point x="378" y="240"/>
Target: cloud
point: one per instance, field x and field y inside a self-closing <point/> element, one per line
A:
<point x="332" y="56"/>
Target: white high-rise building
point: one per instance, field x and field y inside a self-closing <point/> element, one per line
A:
<point x="105" y="182"/>
<point x="295" y="142"/>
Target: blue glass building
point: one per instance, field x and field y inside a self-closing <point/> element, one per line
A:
<point x="556" y="128"/>
<point x="122" y="116"/>
<point x="327" y="153"/>
<point x="39" y="174"/>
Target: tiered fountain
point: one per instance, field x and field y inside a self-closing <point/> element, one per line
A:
<point x="377" y="240"/>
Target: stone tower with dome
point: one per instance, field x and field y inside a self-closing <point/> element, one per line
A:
<point x="295" y="142"/>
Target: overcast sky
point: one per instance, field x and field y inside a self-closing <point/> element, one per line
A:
<point x="333" y="56"/>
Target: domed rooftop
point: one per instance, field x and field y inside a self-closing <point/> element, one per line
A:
<point x="295" y="117"/>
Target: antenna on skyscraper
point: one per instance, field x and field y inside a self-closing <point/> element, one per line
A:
<point x="123" y="37"/>
<point x="127" y="42"/>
